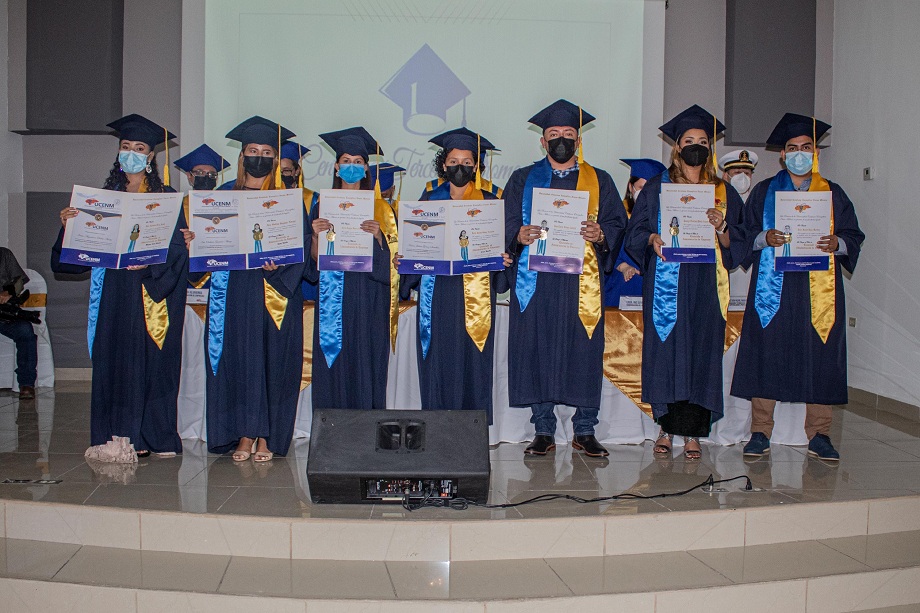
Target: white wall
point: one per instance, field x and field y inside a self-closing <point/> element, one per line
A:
<point x="875" y="123"/>
<point x="10" y="154"/>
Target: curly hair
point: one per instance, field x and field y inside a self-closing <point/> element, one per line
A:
<point x="440" y="159"/>
<point x="118" y="180"/>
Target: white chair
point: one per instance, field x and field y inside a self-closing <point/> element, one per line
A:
<point x="38" y="290"/>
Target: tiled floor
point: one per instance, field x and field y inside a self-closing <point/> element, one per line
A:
<point x="45" y="439"/>
<point x="480" y="580"/>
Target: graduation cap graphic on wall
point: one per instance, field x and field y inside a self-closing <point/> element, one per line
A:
<point x="425" y="88"/>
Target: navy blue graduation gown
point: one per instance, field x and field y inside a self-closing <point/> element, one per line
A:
<point x="550" y="357"/>
<point x="455" y="374"/>
<point x="358" y="377"/>
<point x="688" y="365"/>
<point x="255" y="391"/>
<point x="787" y="361"/>
<point x="135" y="384"/>
<point x="617" y="286"/>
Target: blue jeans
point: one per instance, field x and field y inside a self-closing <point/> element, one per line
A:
<point x="26" y="350"/>
<point x="544" y="419"/>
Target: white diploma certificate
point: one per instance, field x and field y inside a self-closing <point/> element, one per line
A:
<point x="688" y="236"/>
<point x="803" y="218"/>
<point x="451" y="237"/>
<point x="119" y="229"/>
<point x="559" y="214"/>
<point x="236" y="230"/>
<point x="345" y="246"/>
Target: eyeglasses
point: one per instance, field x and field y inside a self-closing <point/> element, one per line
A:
<point x="202" y="173"/>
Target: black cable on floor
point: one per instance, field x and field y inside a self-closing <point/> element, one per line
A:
<point x="461" y="504"/>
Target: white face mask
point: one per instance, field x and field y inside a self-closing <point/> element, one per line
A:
<point x="741" y="182"/>
<point x="635" y="195"/>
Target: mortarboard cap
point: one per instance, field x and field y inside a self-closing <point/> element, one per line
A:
<point x="562" y="113"/>
<point x="139" y="128"/>
<point x="742" y="158"/>
<point x="259" y="131"/>
<point x="792" y="125"/>
<point x="202" y="156"/>
<point x="353" y="141"/>
<point x="695" y="117"/>
<point x="293" y="151"/>
<point x="644" y="168"/>
<point x="425" y="88"/>
<point x="464" y="139"/>
<point x="387" y="173"/>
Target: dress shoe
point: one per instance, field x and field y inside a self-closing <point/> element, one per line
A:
<point x="26" y="392"/>
<point x="820" y="447"/>
<point x="590" y="446"/>
<point x="541" y="445"/>
<point x="757" y="446"/>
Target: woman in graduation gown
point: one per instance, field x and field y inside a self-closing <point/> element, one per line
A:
<point x="626" y="280"/>
<point x="350" y="369"/>
<point x="254" y="332"/>
<point x="454" y="354"/>
<point x="685" y="305"/>
<point x="135" y="378"/>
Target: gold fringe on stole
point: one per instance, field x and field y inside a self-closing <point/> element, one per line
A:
<point x="822" y="284"/>
<point x="721" y="271"/>
<point x="275" y="304"/>
<point x="156" y="316"/>
<point x="589" y="282"/>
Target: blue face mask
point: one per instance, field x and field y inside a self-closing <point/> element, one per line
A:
<point x="351" y="173"/>
<point x="799" y="162"/>
<point x="132" y="162"/>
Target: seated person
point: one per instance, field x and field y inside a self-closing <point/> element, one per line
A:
<point x="20" y="331"/>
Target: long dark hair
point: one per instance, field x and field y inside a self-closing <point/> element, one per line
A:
<point x="365" y="182"/>
<point x="441" y="158"/>
<point x="118" y="180"/>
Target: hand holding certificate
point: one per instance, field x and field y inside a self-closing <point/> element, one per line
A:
<point x="803" y="218"/>
<point x="119" y="229"/>
<point x="236" y="230"/>
<point x="345" y="245"/>
<point x="451" y="237"/>
<point x="688" y="236"/>
<point x="560" y="247"/>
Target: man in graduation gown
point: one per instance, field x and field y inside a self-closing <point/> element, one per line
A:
<point x="793" y="340"/>
<point x="135" y="384"/>
<point x="556" y="330"/>
<point x="254" y="333"/>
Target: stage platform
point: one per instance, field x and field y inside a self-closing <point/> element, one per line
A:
<point x="199" y="532"/>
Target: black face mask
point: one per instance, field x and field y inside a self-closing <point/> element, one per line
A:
<point x="460" y="175"/>
<point x="257" y="166"/>
<point x="694" y="155"/>
<point x="289" y="182"/>
<point x="561" y="149"/>
<point x="204" y="183"/>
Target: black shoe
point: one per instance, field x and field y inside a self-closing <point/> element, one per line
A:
<point x="590" y="446"/>
<point x="541" y="445"/>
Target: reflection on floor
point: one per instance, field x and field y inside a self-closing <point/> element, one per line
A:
<point x="45" y="439"/>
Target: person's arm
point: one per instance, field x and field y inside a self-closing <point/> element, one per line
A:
<point x="161" y="280"/>
<point x="10" y="270"/>
<point x="846" y="228"/>
<point x="612" y="220"/>
<point x="734" y="230"/>
<point x="57" y="266"/>
<point x="514" y="196"/>
<point x="643" y="226"/>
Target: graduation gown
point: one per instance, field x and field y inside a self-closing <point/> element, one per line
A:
<point x="255" y="391"/>
<point x="786" y="361"/>
<point x="687" y="366"/>
<point x="135" y="384"/>
<point x="358" y="377"/>
<point x="617" y="286"/>
<point x="550" y="357"/>
<point x="455" y="374"/>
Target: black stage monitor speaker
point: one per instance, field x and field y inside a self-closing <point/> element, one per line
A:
<point x="385" y="456"/>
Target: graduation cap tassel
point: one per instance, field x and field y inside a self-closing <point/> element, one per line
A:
<point x="490" y="166"/>
<point x="478" y="154"/>
<point x="166" y="147"/>
<point x="715" y="131"/>
<point x="221" y="170"/>
<point x="300" y="164"/>
<point x="581" y="153"/>
<point x="377" y="194"/>
<point x="399" y="192"/>
<point x="278" y="181"/>
<point x="814" y="139"/>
